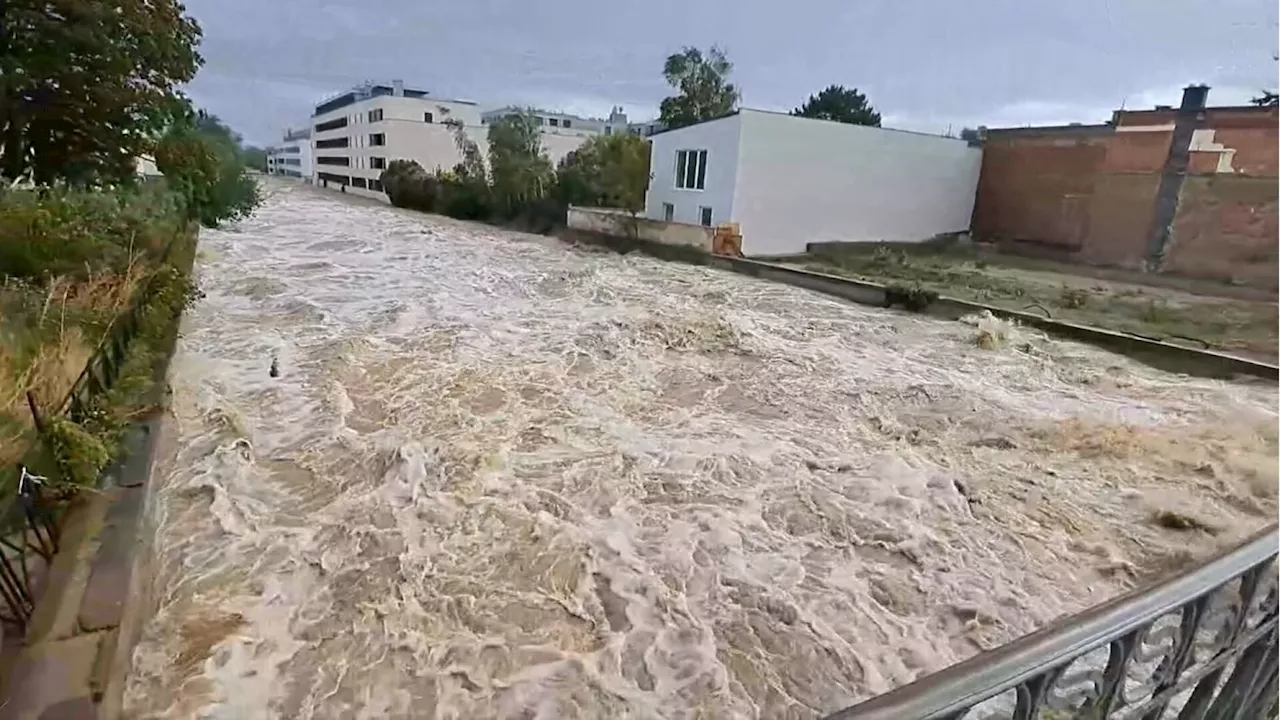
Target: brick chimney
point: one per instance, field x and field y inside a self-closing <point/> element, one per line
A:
<point x="1194" y="97"/>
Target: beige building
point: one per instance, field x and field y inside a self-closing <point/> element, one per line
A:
<point x="358" y="133"/>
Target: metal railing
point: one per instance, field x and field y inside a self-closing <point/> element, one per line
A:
<point x="28" y="513"/>
<point x="1200" y="645"/>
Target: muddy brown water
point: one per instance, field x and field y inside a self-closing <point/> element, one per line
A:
<point x="498" y="477"/>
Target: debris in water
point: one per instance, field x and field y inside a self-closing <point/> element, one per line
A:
<point x="1174" y="520"/>
<point x="275" y="367"/>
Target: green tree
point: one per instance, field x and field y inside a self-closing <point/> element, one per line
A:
<point x="704" y="91"/>
<point x="255" y="158"/>
<point x="201" y="160"/>
<point x="607" y="171"/>
<point x="520" y="173"/>
<point x="87" y="86"/>
<point x="841" y="104"/>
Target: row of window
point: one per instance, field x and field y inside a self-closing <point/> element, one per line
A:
<point x="326" y="178"/>
<point x="333" y="143"/>
<point x="691" y="169"/>
<point x="333" y="124"/>
<point x="342" y="160"/>
<point x="669" y="213"/>
<point x="539" y="120"/>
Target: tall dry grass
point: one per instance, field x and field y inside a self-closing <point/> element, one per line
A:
<point x="49" y="334"/>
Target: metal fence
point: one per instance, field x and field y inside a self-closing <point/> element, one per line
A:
<point x="1198" y="646"/>
<point x="28" y="515"/>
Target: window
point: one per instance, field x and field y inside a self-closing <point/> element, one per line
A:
<point x="568" y="123"/>
<point x="333" y="160"/>
<point x="375" y="185"/>
<point x="705" y="215"/>
<point x="330" y="177"/>
<point x="331" y="124"/>
<point x="375" y="115"/>
<point x="668" y="212"/>
<point x="357" y="182"/>
<point x="691" y="169"/>
<point x="377" y="139"/>
<point x="377" y="163"/>
<point x="428" y="117"/>
<point x="555" y="122"/>
<point x="333" y="143"/>
<point x="608" y="130"/>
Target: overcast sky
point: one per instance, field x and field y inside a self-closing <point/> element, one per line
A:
<point x="925" y="64"/>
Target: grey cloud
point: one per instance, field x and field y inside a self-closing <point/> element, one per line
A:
<point x="926" y="65"/>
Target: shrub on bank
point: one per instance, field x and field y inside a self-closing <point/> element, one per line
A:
<point x="517" y="185"/>
<point x="78" y="233"/>
<point x="205" y="167"/>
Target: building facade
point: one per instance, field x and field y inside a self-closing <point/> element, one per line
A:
<point x="788" y="181"/>
<point x="357" y="134"/>
<point x="1188" y="190"/>
<point x="292" y="156"/>
<point x="564" y="123"/>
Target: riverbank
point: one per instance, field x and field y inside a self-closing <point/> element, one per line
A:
<point x="1221" y="319"/>
<point x="79" y="639"/>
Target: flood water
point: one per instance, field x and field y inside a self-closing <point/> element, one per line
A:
<point x="501" y="477"/>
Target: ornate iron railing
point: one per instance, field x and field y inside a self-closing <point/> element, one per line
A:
<point x="1198" y="646"/>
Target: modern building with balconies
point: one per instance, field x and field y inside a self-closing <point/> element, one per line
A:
<point x="292" y="156"/>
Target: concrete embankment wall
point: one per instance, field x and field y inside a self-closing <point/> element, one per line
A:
<point x="619" y="223"/>
<point x="1166" y="356"/>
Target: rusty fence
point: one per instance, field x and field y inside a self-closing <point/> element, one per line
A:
<point x="1199" y="646"/>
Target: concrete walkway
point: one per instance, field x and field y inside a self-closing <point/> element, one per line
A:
<point x="65" y="669"/>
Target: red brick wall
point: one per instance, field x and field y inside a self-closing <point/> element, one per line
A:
<point x="1088" y="194"/>
<point x="1143" y="151"/>
<point x="1226" y="229"/>
<point x="1120" y="219"/>
<point x="1035" y="188"/>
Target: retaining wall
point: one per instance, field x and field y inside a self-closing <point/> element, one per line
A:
<point x="608" y="221"/>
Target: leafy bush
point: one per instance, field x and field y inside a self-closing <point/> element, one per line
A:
<point x="408" y="185"/>
<point x="607" y="171"/>
<point x="58" y="231"/>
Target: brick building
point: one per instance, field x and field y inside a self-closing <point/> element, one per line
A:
<point x="1190" y="191"/>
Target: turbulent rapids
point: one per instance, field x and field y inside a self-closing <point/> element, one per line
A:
<point x="501" y="477"/>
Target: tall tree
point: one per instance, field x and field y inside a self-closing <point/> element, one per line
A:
<point x="202" y="161"/>
<point x="841" y="104"/>
<point x="704" y="91"/>
<point x="519" y="171"/>
<point x="87" y="86"/>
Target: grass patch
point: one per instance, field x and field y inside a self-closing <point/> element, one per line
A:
<point x="1245" y="327"/>
<point x="71" y="266"/>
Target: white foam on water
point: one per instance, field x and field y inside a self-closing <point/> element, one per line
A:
<point x="501" y="477"/>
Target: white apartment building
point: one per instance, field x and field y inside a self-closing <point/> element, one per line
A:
<point x="292" y="156"/>
<point x="563" y="123"/>
<point x="355" y="135"/>
<point x="789" y="181"/>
